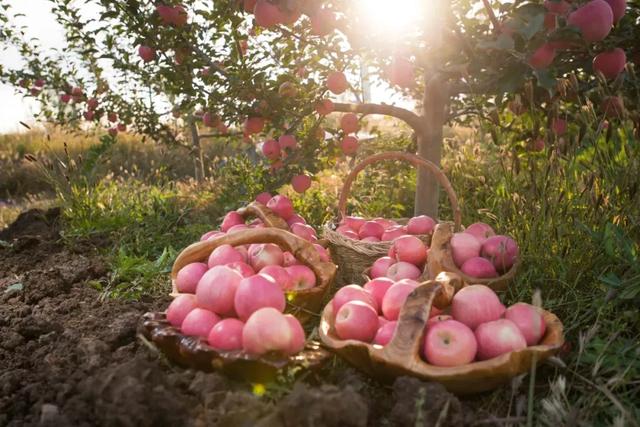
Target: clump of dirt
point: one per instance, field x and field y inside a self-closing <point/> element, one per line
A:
<point x="68" y="358"/>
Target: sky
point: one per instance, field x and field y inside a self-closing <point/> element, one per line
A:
<point x="40" y="23"/>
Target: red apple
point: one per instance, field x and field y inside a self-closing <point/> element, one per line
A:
<point x="393" y="233"/>
<point x="337" y="82"/>
<point x="179" y="308"/>
<point x="529" y="320"/>
<point x="271" y="149"/>
<point x="199" y="323"/>
<point x="479" y="267"/>
<point x="263" y="254"/>
<point x="267" y="14"/>
<point x="403" y="270"/>
<point x="322" y="22"/>
<point x="410" y="249"/>
<point x="558" y="126"/>
<point x="353" y="222"/>
<point x="249" y="5"/>
<point x="501" y="250"/>
<point x="594" y="19"/>
<point x="498" y="337"/>
<point x="288" y="141"/>
<point x="463" y="247"/>
<point x="370" y="228"/>
<point x="243" y="268"/>
<point x="267" y="329"/>
<point x="380" y="267"/>
<point x="323" y="252"/>
<point x="476" y="304"/>
<point x="217" y="288"/>
<point x="281" y="206"/>
<point x="65" y="98"/>
<point x="279" y="274"/>
<point x="304" y="231"/>
<point x="542" y="57"/>
<point x="89" y="115"/>
<point x="263" y="198"/>
<point x="147" y="53"/>
<point x="378" y="288"/>
<point x="301" y="183"/>
<point x="256" y="292"/>
<point x="349" y="123"/>
<point x="356" y="320"/>
<point x="395" y="298"/>
<point x="324" y="107"/>
<point x="253" y="125"/>
<point x="619" y="8"/>
<point x="352" y="293"/>
<point x="224" y="254"/>
<point x="480" y="231"/>
<point x="180" y="16"/>
<point x="188" y="277"/>
<point x="422" y="224"/>
<point x="610" y="63"/>
<point x="226" y="335"/>
<point x="296" y="219"/>
<point x="296" y="344"/>
<point x="349" y="145"/>
<point x="449" y="343"/>
<point x="230" y="219"/>
<point x="385" y="333"/>
<point x="302" y="277"/>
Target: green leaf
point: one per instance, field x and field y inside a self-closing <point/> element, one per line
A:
<point x="546" y="79"/>
<point x="503" y="42"/>
<point x="17" y="287"/>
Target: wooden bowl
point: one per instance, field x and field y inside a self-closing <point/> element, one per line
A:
<point x="402" y="355"/>
<point x="440" y="259"/>
<point x="192" y="352"/>
<point x="304" y="304"/>
<point x="268" y="217"/>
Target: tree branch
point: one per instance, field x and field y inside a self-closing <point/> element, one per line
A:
<point x="409" y="117"/>
<point x="492" y="15"/>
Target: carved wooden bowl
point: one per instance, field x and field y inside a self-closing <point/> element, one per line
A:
<point x="440" y="259"/>
<point x="402" y="355"/>
<point x="304" y="304"/>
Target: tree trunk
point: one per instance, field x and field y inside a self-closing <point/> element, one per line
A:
<point x="435" y="100"/>
<point x="198" y="161"/>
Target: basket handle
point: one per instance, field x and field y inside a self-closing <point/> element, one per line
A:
<point x="406" y="342"/>
<point x="299" y="247"/>
<point x="407" y="157"/>
<point x="268" y="217"/>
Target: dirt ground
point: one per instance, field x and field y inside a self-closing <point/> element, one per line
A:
<point x="69" y="359"/>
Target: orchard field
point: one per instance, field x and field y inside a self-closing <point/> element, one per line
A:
<point x="159" y="118"/>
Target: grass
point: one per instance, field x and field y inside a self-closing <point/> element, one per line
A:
<point x="574" y="211"/>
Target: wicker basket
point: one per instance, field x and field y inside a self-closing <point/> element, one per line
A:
<point x="440" y="259"/>
<point x="304" y="304"/>
<point x="353" y="256"/>
<point x="402" y="355"/>
<point x="268" y="217"/>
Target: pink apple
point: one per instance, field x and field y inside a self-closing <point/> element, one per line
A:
<point x="420" y="225"/>
<point x="449" y="343"/>
<point x="263" y="254"/>
<point x="147" y="53"/>
<point x="353" y="222"/>
<point x="279" y="274"/>
<point x="393" y="232"/>
<point x="243" y="268"/>
<point x="463" y="247"/>
<point x="610" y="63"/>
<point x="543" y="57"/>
<point x="180" y="16"/>
<point x="370" y="239"/>
<point x="253" y="125"/>
<point x="476" y="304"/>
<point x="349" y="123"/>
<point x="282" y="206"/>
<point x="226" y="335"/>
<point x="480" y="231"/>
<point x="179" y="308"/>
<point x="322" y="22"/>
<point x="199" y="323"/>
<point x="325" y="107"/>
<point x="594" y="19"/>
<point x="348" y="233"/>
<point x="349" y="145"/>
<point x="217" y="288"/>
<point x="385" y="333"/>
<point x="267" y="329"/>
<point x="529" y="320"/>
<point x="378" y="287"/>
<point x="256" y="292"/>
<point x="188" y="277"/>
<point x="296" y="219"/>
<point x="288" y="141"/>
<point x="337" y="82"/>
<point x="386" y="223"/>
<point x="267" y="14"/>
<point x="304" y="231"/>
<point x="352" y="293"/>
<point x="302" y="277"/>
<point x="224" y="254"/>
<point x="410" y="249"/>
<point x="296" y="344"/>
<point x="382" y="321"/>
<point x="370" y="228"/>
<point x="301" y="183"/>
<point x="479" y="267"/>
<point x="230" y="219"/>
<point x="356" y="320"/>
<point x="263" y="198"/>
<point x="502" y="251"/>
<point x="65" y="98"/>
<point x="271" y="149"/>
<point x="112" y="117"/>
<point x="380" y="267"/>
<point x="403" y="270"/>
<point x="323" y="252"/>
<point x="288" y="259"/>
<point x="498" y="337"/>
<point x="395" y="298"/>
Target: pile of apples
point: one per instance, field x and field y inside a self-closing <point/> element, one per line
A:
<point x="478" y="328"/>
<point x="478" y="252"/>
<point x="383" y="230"/>
<point x="281" y="206"/>
<point x="405" y="260"/>
<point x="236" y="300"/>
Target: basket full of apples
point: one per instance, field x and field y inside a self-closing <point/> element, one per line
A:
<point x="476" y="254"/>
<point x="356" y="243"/>
<point x="231" y="294"/>
<point x="439" y="330"/>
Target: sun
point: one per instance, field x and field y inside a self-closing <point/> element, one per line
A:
<point x="391" y="18"/>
